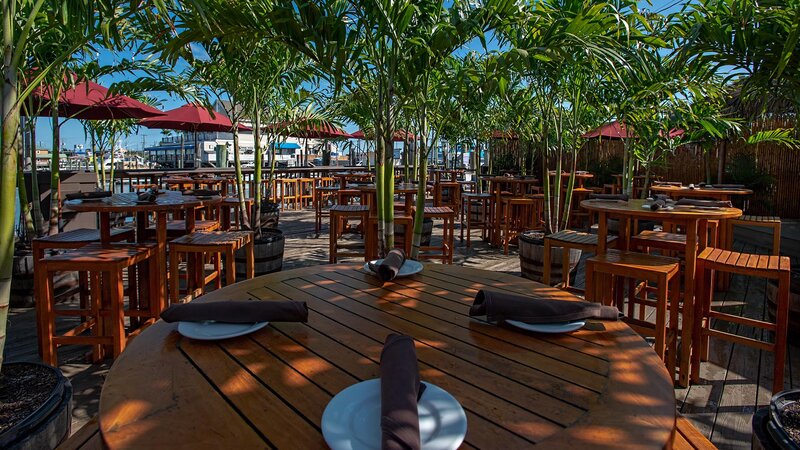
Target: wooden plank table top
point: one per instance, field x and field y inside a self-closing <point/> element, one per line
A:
<point x="599" y="387"/>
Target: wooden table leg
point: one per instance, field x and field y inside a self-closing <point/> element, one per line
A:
<point x="602" y="232"/>
<point x="161" y="239"/>
<point x="688" y="301"/>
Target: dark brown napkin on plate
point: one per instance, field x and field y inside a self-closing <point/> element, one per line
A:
<point x="146" y="196"/>
<point x="83" y="195"/>
<point x="400" y="392"/>
<point x="704" y="203"/>
<point x="623" y="197"/>
<point x="237" y="311"/>
<point x="200" y="192"/>
<point x="660" y="202"/>
<point x="500" y="306"/>
<point x="388" y="269"/>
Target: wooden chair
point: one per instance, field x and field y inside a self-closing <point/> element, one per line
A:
<point x="104" y="314"/>
<point x="447" y="194"/>
<point x="198" y="246"/>
<point x="289" y="193"/>
<point x="445" y="251"/>
<point x="757" y="221"/>
<point x="605" y="277"/>
<point x="762" y="266"/>
<point x="475" y="214"/>
<point x="568" y="239"/>
<point x="339" y="215"/>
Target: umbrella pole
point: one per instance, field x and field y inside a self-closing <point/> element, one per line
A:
<point x="197" y="156"/>
<point x="182" y="154"/>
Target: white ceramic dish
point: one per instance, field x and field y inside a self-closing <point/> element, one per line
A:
<point x="351" y="420"/>
<point x="213" y="331"/>
<point x="410" y="267"/>
<point x="565" y="327"/>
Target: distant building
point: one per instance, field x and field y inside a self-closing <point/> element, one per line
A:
<point x="171" y="149"/>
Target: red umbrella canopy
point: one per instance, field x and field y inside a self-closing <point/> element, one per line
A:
<point x="398" y="135"/>
<point x="89" y="101"/>
<point x="191" y="117"/>
<point x="617" y="130"/>
<point x="613" y="130"/>
<point x="310" y="129"/>
<point x="508" y="135"/>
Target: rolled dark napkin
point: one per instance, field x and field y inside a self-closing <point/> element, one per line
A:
<point x="146" y="196"/>
<point x="704" y="203"/>
<point x="660" y="202"/>
<point x="84" y="195"/>
<point x="400" y="391"/>
<point x="623" y="197"/>
<point x="388" y="269"/>
<point x="237" y="311"/>
<point x="500" y="306"/>
<point x="200" y="192"/>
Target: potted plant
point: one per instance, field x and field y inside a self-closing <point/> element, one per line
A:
<point x="778" y="426"/>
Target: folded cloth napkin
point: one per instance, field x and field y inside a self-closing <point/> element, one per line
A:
<point x="82" y="195"/>
<point x="200" y="192"/>
<point x="146" y="196"/>
<point x="706" y="203"/>
<point x="237" y="311"/>
<point x="660" y="202"/>
<point x="400" y="392"/>
<point x="388" y="269"/>
<point x="623" y="197"/>
<point x="500" y="306"/>
<point x="728" y="186"/>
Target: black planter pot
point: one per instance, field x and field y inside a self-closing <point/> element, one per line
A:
<point x="775" y="427"/>
<point x="50" y="424"/>
<point x="761" y="437"/>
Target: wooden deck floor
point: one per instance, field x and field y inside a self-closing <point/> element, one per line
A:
<point x="735" y="381"/>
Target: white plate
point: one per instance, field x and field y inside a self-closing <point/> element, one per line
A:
<point x="409" y="267"/>
<point x="352" y="419"/>
<point x="564" y="327"/>
<point x="212" y="331"/>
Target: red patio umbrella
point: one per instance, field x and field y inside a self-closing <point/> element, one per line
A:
<point x="507" y="135"/>
<point x="192" y="117"/>
<point x="613" y="130"/>
<point x="309" y="129"/>
<point x="617" y="130"/>
<point x="88" y="100"/>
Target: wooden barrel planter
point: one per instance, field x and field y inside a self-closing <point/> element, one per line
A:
<point x="22" y="281"/>
<point x="531" y="257"/>
<point x="427" y="231"/>
<point x="794" y="304"/>
<point x="46" y="422"/>
<point x="267" y="254"/>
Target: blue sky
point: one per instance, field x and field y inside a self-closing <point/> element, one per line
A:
<point x="72" y="132"/>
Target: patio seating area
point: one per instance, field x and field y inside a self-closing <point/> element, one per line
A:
<point x="720" y="406"/>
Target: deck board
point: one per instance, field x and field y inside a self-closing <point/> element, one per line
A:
<point x="736" y="379"/>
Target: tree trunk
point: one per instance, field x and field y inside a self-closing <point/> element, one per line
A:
<point x="55" y="172"/>
<point x="258" y="173"/>
<point x="8" y="170"/>
<point x="36" y="203"/>
<point x="25" y="207"/>
<point x="419" y="214"/>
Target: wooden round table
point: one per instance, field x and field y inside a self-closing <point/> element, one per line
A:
<point x="125" y="203"/>
<point x="600" y="387"/>
<point x="693" y="220"/>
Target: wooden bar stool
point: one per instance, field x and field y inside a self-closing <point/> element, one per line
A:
<point x="475" y="214"/>
<point x="340" y="214"/>
<point x="305" y="191"/>
<point x="322" y="196"/>
<point x="631" y="266"/>
<point x="289" y="193"/>
<point x="762" y="266"/>
<point x="230" y="207"/>
<point x="104" y="314"/>
<point x="347" y="196"/>
<point x="566" y="240"/>
<point x="445" y="251"/>
<point x="521" y="214"/>
<point x="757" y="221"/>
<point x="447" y="194"/>
<point x="198" y="246"/>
